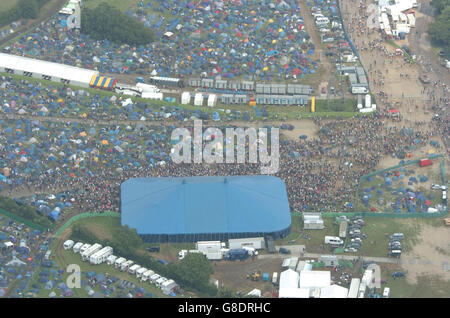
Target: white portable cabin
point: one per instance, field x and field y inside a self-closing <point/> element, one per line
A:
<point x="154" y="277"/>
<point x="212" y="100"/>
<point x="146" y="276"/>
<point x="77" y="246"/>
<point x="84" y="247"/>
<point x="160" y="281"/>
<point x="255" y="242"/>
<point x="354" y="288"/>
<point x="185" y="98"/>
<point x="91" y="250"/>
<point x="215" y="256"/>
<point x="359" y="105"/>
<point x="368" y="101"/>
<point x="101" y="256"/>
<point x="312" y="221"/>
<point x="111" y="259"/>
<point x="125" y="265"/>
<point x="147" y="95"/>
<point x="386" y="292"/>
<point x="118" y="262"/>
<point x="141" y="271"/>
<point x="68" y="244"/>
<point x="198" y="99"/>
<point x="209" y="246"/>
<point x="132" y="270"/>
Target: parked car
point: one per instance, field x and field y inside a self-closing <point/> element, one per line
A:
<point x="398" y="274"/>
<point x="351" y="250"/>
<point x="283" y="250"/>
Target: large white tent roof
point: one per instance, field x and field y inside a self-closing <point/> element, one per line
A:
<point x="333" y="291"/>
<point x="293" y="293"/>
<point x="25" y="64"/>
<point x="315" y="279"/>
<point x="289" y="279"/>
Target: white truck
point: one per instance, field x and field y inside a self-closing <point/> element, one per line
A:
<point x="333" y="240"/>
<point x="77" y="246"/>
<point x="359" y="90"/>
<point x="68" y="244"/>
<point x="146" y="276"/>
<point x="118" y="263"/>
<point x="182" y="254"/>
<point x="275" y="278"/>
<point x="91" y="250"/>
<point x="140" y="272"/>
<point x="101" y="256"/>
<point x="251" y="250"/>
<point x="255" y="242"/>
<point x="125" y="265"/>
<point x="132" y="270"/>
<point x="111" y="260"/>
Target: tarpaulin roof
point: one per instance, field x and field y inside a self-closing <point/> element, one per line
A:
<point x="195" y="205"/>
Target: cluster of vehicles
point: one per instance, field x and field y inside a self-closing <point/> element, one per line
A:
<point x="355" y="235"/>
<point x="395" y="245"/>
<point x="97" y="255"/>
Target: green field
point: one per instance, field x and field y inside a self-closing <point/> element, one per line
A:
<point x="122" y="5"/>
<point x="7" y="4"/>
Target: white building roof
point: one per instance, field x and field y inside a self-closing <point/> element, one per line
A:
<point x="289" y="279"/>
<point x="315" y="279"/>
<point x="293" y="293"/>
<point x="333" y="291"/>
<point x="25" y="64"/>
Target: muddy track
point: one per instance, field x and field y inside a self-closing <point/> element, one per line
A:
<point x="52" y="11"/>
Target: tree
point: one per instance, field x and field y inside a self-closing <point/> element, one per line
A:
<point x="225" y="292"/>
<point x="439" y="30"/>
<point x="195" y="269"/>
<point x="29" y="8"/>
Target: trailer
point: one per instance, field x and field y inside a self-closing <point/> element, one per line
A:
<point x="125" y="265"/>
<point x="209" y="246"/>
<point x="77" y="246"/>
<point x="359" y="89"/>
<point x="154" y="277"/>
<point x="118" y="262"/>
<point x="68" y="244"/>
<point x="111" y="260"/>
<point x="132" y="270"/>
<point x="140" y="272"/>
<point x="84" y="248"/>
<point x="354" y="288"/>
<point x="255" y="242"/>
<point x="168" y="286"/>
<point x="146" y="276"/>
<point x="343" y="229"/>
<point x="160" y="281"/>
<point x="91" y="250"/>
<point x="166" y="81"/>
<point x="101" y="256"/>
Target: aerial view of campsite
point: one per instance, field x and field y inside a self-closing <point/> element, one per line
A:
<point x="224" y="149"/>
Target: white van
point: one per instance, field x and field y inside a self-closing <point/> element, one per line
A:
<point x="333" y="240"/>
<point x="322" y="19"/>
<point x="275" y="278"/>
<point x="386" y="292"/>
<point x="77" y="246"/>
<point x="160" y="281"/>
<point x="397" y="236"/>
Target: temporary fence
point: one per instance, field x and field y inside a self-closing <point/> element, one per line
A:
<point x="83" y="216"/>
<point x="24" y="221"/>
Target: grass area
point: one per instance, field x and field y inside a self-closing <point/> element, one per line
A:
<point x="379" y="230"/>
<point x="7" y="4"/>
<point x="426" y="287"/>
<point x="336" y="105"/>
<point x="122" y="5"/>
